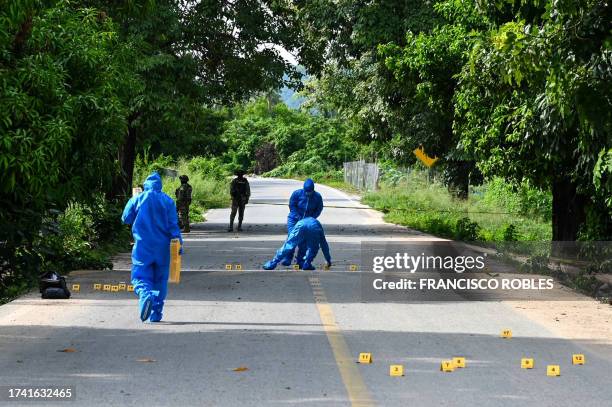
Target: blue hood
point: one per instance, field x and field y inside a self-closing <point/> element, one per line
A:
<point x="153" y="183"/>
<point x="309" y="185"/>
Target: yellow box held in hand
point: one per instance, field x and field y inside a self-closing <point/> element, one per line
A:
<point x="578" y="359"/>
<point x="396" y="370"/>
<point x="527" y="363"/>
<point x="506" y="334"/>
<point x="175" y="261"/>
<point x="447" y="366"/>
<point x="553" y="370"/>
<point x="365" y="358"/>
<point x="459" y="361"/>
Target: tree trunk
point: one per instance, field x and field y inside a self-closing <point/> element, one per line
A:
<point x="122" y="183"/>
<point x="568" y="214"/>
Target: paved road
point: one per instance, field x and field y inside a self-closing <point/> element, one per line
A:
<point x="297" y="333"/>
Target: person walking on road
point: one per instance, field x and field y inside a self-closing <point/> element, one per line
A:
<point x="183" y="200"/>
<point x="240" y="192"/>
<point x="152" y="215"/>
<point x="308" y="233"/>
<point x="305" y="202"/>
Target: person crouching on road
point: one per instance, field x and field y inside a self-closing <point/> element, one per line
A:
<point x="303" y="203"/>
<point x="308" y="234"/>
<point x="240" y="192"/>
<point x="152" y="215"/>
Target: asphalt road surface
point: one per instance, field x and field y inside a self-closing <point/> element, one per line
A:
<point x="250" y="337"/>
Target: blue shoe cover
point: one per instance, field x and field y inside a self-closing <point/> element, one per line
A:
<point x="270" y="265"/>
<point x="146" y="306"/>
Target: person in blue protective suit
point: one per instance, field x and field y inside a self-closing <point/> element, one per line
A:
<point x="305" y="202"/>
<point x="152" y="215"/>
<point x="309" y="233"/>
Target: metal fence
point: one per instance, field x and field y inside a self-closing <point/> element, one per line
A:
<point x="361" y="175"/>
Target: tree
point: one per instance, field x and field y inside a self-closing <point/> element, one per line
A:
<point x="534" y="102"/>
<point x="61" y="116"/>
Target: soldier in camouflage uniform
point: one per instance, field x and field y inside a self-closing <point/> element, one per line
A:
<point x="240" y="192"/>
<point x="183" y="200"/>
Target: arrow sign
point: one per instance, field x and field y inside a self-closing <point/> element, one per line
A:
<point x="425" y="159"/>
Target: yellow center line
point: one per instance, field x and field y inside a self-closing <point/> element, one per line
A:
<point x="351" y="377"/>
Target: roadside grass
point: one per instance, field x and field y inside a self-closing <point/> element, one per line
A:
<point x="491" y="213"/>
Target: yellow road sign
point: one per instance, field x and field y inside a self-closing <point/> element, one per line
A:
<point x="425" y="159"/>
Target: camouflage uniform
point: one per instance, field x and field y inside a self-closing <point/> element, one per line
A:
<point x="240" y="192"/>
<point x="183" y="200"/>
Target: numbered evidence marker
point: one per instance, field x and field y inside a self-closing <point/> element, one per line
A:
<point x="353" y="267"/>
<point x="122" y="287"/>
<point x="228" y="266"/>
<point x="459" y="361"/>
<point x="97" y="286"/>
<point x="578" y="359"/>
<point x="447" y="366"/>
<point x="114" y="288"/>
<point x="365" y="358"/>
<point x="239" y="267"/>
<point x="527" y="363"/>
<point x="76" y="287"/>
<point x="553" y="370"/>
<point x="130" y="288"/>
<point x="396" y="370"/>
<point x="106" y="287"/>
<point x="506" y="334"/>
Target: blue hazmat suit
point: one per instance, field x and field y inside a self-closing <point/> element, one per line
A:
<point x="305" y="202"/>
<point x="309" y="233"/>
<point x="152" y="215"/>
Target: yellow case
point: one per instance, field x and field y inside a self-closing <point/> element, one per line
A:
<point x="175" y="261"/>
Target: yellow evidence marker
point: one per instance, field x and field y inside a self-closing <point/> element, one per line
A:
<point x="97" y="286"/>
<point x="396" y="370"/>
<point x="296" y="267"/>
<point x="106" y="287"/>
<point x="553" y="370"/>
<point x="239" y="267"/>
<point x="578" y="359"/>
<point x="506" y="334"/>
<point x="122" y="287"/>
<point x="114" y="288"/>
<point x="76" y="287"/>
<point x="353" y="267"/>
<point x="459" y="362"/>
<point x="365" y="358"/>
<point x="130" y="288"/>
<point x="527" y="363"/>
<point x="228" y="266"/>
<point x="447" y="366"/>
<point x="175" y="261"/>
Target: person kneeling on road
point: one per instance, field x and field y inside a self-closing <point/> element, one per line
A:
<point x="308" y="235"/>
<point x="152" y="215"/>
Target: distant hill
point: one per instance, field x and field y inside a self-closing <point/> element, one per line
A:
<point x="289" y="96"/>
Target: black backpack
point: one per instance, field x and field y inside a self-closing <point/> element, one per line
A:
<point x="53" y="286"/>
